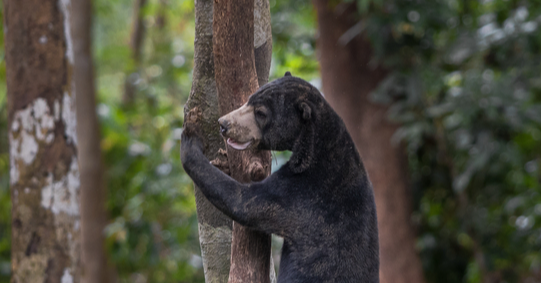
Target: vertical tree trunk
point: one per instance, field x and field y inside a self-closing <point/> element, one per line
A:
<point x="214" y="226"/>
<point x="93" y="214"/>
<point x="136" y="41"/>
<point x="236" y="79"/>
<point x="44" y="173"/>
<point x="348" y="79"/>
<point x="161" y="17"/>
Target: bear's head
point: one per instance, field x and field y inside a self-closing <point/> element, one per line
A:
<point x="281" y="115"/>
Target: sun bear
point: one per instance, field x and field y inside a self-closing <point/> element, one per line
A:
<point x="321" y="202"/>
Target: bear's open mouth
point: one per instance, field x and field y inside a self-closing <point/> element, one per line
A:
<point x="238" y="146"/>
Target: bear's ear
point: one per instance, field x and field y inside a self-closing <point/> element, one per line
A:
<point x="303" y="149"/>
<point x="288" y="74"/>
<point x="304" y="146"/>
<point x="305" y="110"/>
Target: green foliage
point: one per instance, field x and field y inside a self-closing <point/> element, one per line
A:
<point x="293" y="31"/>
<point x="153" y="231"/>
<point x="466" y="90"/>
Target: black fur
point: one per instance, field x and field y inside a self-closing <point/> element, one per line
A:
<point x="321" y="202"/>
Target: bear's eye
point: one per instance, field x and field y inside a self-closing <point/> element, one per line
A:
<point x="260" y="113"/>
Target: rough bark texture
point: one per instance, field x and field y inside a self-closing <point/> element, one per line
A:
<point x="136" y="42"/>
<point x="236" y="79"/>
<point x="93" y="214"/>
<point x="348" y="79"/>
<point x="44" y="174"/>
<point x="214" y="226"/>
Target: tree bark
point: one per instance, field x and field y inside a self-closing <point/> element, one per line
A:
<point x="348" y="79"/>
<point x="136" y="42"/>
<point x="236" y="79"/>
<point x="44" y="174"/>
<point x="214" y="226"/>
<point x="93" y="213"/>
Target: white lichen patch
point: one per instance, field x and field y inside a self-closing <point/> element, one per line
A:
<point x="69" y="117"/>
<point x="66" y="277"/>
<point x="30" y="126"/>
<point x="28" y="149"/>
<point x="56" y="110"/>
<point x="65" y="6"/>
<point x="46" y="124"/>
<point x="63" y="195"/>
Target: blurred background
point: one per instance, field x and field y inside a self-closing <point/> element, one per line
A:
<point x="460" y="79"/>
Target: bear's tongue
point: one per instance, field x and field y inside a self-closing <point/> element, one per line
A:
<point x="238" y="146"/>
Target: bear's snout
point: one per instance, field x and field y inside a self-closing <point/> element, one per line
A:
<point x="239" y="128"/>
<point x="224" y="126"/>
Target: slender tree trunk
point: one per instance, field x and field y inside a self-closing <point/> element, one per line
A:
<point x="348" y="79"/>
<point x="161" y="17"/>
<point x="236" y="79"/>
<point x="44" y="173"/>
<point x="93" y="214"/>
<point x="136" y="42"/>
<point x="214" y="226"/>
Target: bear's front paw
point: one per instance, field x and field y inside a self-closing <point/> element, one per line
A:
<point x="191" y="142"/>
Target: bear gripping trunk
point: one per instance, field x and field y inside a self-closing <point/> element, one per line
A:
<point x="236" y="79"/>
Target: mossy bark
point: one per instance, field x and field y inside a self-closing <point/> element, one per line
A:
<point x="44" y="174"/>
<point x="214" y="226"/>
<point x="236" y="80"/>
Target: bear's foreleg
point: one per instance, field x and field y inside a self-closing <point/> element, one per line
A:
<point x="251" y="205"/>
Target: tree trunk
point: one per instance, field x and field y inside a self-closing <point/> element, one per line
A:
<point x="136" y="42"/>
<point x="44" y="174"/>
<point x="236" y="79"/>
<point x="348" y="79"/>
<point x="214" y="226"/>
<point x="161" y="18"/>
<point x="93" y="214"/>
